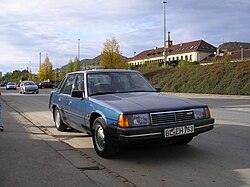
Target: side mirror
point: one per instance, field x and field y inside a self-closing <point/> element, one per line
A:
<point x="158" y="89"/>
<point x="77" y="94"/>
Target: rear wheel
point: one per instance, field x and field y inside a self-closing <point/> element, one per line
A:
<point x="183" y="141"/>
<point x="58" y="121"/>
<point x="103" y="144"/>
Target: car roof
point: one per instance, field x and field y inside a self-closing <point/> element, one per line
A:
<point x="27" y="81"/>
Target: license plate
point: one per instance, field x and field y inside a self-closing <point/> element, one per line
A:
<point x="177" y="131"/>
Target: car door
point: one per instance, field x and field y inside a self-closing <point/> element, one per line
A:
<point x="64" y="96"/>
<point x="77" y="106"/>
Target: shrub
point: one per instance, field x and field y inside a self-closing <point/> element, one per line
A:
<point x="219" y="78"/>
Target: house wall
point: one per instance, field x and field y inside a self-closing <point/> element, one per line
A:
<point x="185" y="56"/>
<point x="146" y="60"/>
<point x="192" y="56"/>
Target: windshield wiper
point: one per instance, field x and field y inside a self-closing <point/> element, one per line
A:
<point x="130" y="91"/>
<point x="102" y="93"/>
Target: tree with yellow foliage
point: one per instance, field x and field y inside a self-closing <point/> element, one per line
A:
<point x="111" y="56"/>
<point x="46" y="70"/>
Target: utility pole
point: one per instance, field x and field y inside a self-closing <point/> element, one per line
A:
<point x="241" y="53"/>
<point x="30" y="66"/>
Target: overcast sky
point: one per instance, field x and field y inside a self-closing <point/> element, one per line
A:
<point x="29" y="27"/>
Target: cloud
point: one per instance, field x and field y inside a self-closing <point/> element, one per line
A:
<point x="53" y="27"/>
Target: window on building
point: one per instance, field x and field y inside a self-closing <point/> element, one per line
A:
<point x="186" y="57"/>
<point x="181" y="57"/>
<point x="190" y="58"/>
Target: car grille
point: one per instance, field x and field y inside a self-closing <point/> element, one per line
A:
<point x="30" y="89"/>
<point x="171" y="117"/>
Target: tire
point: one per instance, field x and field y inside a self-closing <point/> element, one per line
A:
<point x="58" y="121"/>
<point x="183" y="141"/>
<point x="103" y="144"/>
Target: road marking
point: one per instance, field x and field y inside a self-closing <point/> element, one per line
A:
<point x="244" y="108"/>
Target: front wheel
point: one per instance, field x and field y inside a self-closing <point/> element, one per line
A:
<point x="58" y="121"/>
<point x="103" y="144"/>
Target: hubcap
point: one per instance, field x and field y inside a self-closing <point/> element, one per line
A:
<point x="57" y="119"/>
<point x="100" y="138"/>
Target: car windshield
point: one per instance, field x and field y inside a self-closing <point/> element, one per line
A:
<point x="29" y="83"/>
<point x="11" y="83"/>
<point x="117" y="82"/>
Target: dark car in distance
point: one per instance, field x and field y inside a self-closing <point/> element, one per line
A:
<point x="121" y="106"/>
<point x="45" y="85"/>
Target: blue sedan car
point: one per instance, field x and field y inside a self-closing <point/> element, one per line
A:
<point x="121" y="106"/>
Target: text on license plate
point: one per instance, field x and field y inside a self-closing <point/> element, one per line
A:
<point x="177" y="131"/>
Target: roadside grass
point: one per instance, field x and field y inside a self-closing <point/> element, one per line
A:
<point x="230" y="78"/>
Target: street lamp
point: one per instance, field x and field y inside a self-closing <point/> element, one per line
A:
<point x="164" y="40"/>
<point x="78" y="51"/>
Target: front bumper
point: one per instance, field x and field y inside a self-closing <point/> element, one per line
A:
<point x="11" y="87"/>
<point x="156" y="132"/>
<point x="31" y="90"/>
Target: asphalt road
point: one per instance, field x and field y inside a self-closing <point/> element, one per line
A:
<point x="220" y="157"/>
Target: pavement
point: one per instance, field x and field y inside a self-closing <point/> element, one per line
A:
<point x="30" y="157"/>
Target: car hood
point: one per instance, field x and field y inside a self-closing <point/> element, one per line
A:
<point x="146" y="102"/>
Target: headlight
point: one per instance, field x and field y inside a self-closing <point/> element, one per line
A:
<point x="139" y="119"/>
<point x="133" y="120"/>
<point x="200" y="113"/>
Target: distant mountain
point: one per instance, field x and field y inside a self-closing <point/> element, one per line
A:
<point x="85" y="63"/>
<point x="234" y="46"/>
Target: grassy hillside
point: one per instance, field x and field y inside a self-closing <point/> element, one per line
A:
<point x="219" y="78"/>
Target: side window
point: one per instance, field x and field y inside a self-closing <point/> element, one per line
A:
<point x="79" y="85"/>
<point x="68" y="85"/>
<point x="60" y="84"/>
